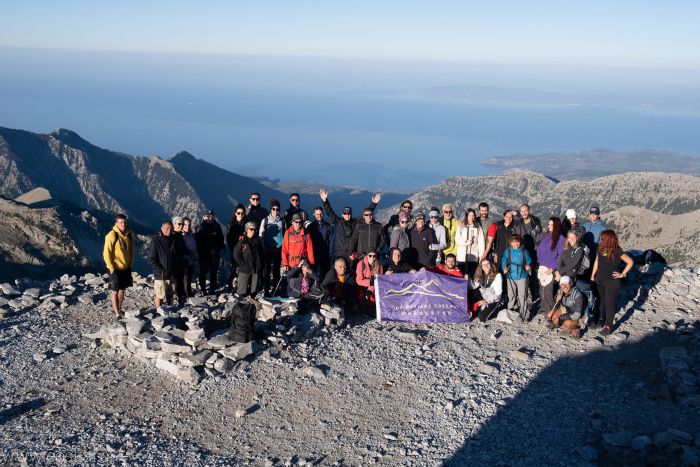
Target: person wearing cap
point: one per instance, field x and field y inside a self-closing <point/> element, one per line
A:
<point x="594" y="227"/>
<point x="572" y="255"/>
<point x="450" y="222"/>
<point x="180" y="260"/>
<point x="210" y="244"/>
<point x="321" y="233"/>
<point x="470" y="243"/>
<point x="421" y="254"/>
<point x="571" y="305"/>
<point x="160" y="257"/>
<point x="548" y="252"/>
<point x="368" y="235"/>
<point x="296" y="244"/>
<point x="365" y="274"/>
<point x="569" y="221"/>
<point x="440" y="234"/>
<point x="256" y="212"/>
<point x="294" y="208"/>
<point x="118" y="253"/>
<point x="345" y="226"/>
<point x="234" y="233"/>
<point x="399" y="234"/>
<point x="250" y="258"/>
<point x="303" y="283"/>
<point x="272" y="235"/>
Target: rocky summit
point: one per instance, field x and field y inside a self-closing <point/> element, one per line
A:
<point x="170" y="386"/>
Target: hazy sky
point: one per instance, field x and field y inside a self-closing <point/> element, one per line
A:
<point x="621" y="33"/>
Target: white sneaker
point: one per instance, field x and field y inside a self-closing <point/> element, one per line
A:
<point x="503" y="317"/>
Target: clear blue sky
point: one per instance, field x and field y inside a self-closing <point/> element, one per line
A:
<point x="619" y="33"/>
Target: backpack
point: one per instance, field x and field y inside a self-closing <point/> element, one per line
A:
<point x="585" y="262"/>
<point x="243" y="322"/>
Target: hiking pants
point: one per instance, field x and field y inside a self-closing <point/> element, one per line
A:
<point x="517" y="295"/>
<point x="489" y="311"/>
<point x="208" y="265"/>
<point x="608" y="289"/>
<point x="547" y="297"/>
<point x="246" y="279"/>
<point x="273" y="262"/>
<point x="187" y="280"/>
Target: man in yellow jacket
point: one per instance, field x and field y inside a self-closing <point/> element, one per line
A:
<point x="450" y="222"/>
<point x="118" y="254"/>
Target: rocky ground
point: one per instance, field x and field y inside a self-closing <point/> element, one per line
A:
<point x="363" y="393"/>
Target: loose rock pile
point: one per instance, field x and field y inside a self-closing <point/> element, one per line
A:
<point x="676" y="288"/>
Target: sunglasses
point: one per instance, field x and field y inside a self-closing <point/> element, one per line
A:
<point x="296" y="222"/>
<point x="251" y="228"/>
<point x="294" y="200"/>
<point x="178" y="223"/>
<point x="403" y="222"/>
<point x="447" y="212"/>
<point x="274" y="209"/>
<point x="367" y="215"/>
<point x="371" y="256"/>
<point x="433" y="217"/>
<point x="407" y="207"/>
<point x="255" y="199"/>
<point x="239" y="213"/>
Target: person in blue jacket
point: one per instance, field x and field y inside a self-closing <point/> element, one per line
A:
<point x="516" y="264"/>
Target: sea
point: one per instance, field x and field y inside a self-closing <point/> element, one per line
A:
<point x="351" y="122"/>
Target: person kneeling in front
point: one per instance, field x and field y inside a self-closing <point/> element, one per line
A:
<point x="572" y="304"/>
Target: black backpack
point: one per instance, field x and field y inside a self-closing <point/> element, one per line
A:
<point x="243" y="322"/>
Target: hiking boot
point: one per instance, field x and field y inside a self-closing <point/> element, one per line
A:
<point x="502" y="317"/>
<point x="597" y="325"/>
<point x="550" y="325"/>
<point x="606" y="331"/>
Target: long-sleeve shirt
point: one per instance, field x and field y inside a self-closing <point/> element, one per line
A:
<point x="491" y="292"/>
<point x="516" y="260"/>
<point x="545" y="255"/>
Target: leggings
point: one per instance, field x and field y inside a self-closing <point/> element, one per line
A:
<point x="608" y="290"/>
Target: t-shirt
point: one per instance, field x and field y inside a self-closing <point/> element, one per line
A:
<point x="606" y="265"/>
<point x="491" y="231"/>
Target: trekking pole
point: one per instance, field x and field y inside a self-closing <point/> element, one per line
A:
<point x="277" y="286"/>
<point x="556" y="304"/>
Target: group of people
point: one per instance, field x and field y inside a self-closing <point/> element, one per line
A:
<point x="511" y="264"/>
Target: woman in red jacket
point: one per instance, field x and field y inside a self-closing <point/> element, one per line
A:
<point x="367" y="270"/>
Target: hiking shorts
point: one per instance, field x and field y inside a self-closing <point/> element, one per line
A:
<point x="164" y="289"/>
<point x="120" y="279"/>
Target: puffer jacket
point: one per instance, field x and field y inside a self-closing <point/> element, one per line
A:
<point x="470" y="243"/>
<point x="210" y="237"/>
<point x="364" y="276"/>
<point x="368" y="237"/>
<point x="249" y="255"/>
<point x="450" y="232"/>
<point x="297" y="246"/>
<point x="344" y="230"/>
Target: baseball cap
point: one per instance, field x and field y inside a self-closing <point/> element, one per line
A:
<point x="594" y="210"/>
<point x="564" y="280"/>
<point x="296" y="217"/>
<point x="570" y="214"/>
<point x="420" y="215"/>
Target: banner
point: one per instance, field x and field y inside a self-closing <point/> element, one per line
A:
<point x="423" y="297"/>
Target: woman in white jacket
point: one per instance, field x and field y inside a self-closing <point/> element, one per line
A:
<point x="469" y="241"/>
<point x="486" y="291"/>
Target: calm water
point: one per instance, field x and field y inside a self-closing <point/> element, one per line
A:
<point x="336" y="124"/>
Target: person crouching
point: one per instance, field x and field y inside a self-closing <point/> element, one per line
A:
<point x="572" y="303"/>
<point x="304" y="284"/>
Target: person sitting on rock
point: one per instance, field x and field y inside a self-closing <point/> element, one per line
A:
<point x="487" y="289"/>
<point x="367" y="271"/>
<point x="304" y="284"/>
<point x="572" y="303"/>
<point x="340" y="285"/>
<point x="396" y="265"/>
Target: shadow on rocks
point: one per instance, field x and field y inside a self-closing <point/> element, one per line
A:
<point x="23" y="407"/>
<point x="602" y="407"/>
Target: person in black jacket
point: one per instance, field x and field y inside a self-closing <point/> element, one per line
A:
<point x="210" y="244"/>
<point x="294" y="208"/>
<point x="256" y="211"/>
<point x="368" y="235"/>
<point x="180" y="260"/>
<point x="303" y="283"/>
<point x="160" y="257"/>
<point x="321" y="233"/>
<point x="341" y="286"/>
<point x="530" y="230"/>
<point x="396" y="265"/>
<point x="422" y="238"/>
<point x="249" y="256"/>
<point x="504" y="230"/>
<point x="234" y="233"/>
<point x="345" y="227"/>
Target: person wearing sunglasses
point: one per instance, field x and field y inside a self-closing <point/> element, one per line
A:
<point x="294" y="208"/>
<point x="296" y="245"/>
<point x="369" y="234"/>
<point x="234" y="233"/>
<point x="345" y="226"/>
<point x="256" y="212"/>
<point x="272" y="235"/>
<point x="399" y="234"/>
<point x="450" y="222"/>
<point x="422" y="254"/>
<point x="210" y="244"/>
<point x="440" y="235"/>
<point x="365" y="274"/>
<point x="406" y="206"/>
<point x="191" y="256"/>
<point x="250" y="259"/>
<point x="180" y="259"/>
<point x="321" y="233"/>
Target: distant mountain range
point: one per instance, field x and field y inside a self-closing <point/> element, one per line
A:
<point x="666" y="202"/>
<point x="587" y="165"/>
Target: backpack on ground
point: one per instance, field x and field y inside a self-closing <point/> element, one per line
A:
<point x="243" y="322"/>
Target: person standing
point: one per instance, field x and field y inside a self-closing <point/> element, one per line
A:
<point x="234" y="233"/>
<point x="294" y="208"/>
<point x="440" y="235"/>
<point x="192" y="258"/>
<point x="606" y="273"/>
<point x="180" y="258"/>
<point x="516" y="265"/>
<point x="250" y="258"/>
<point x="504" y="230"/>
<point x="570" y="222"/>
<point x="321" y="233"/>
<point x="369" y="234"/>
<point x="345" y="226"/>
<point x="423" y="250"/>
<point x="548" y="251"/>
<point x="272" y="235"/>
<point x="118" y="253"/>
<point x="490" y="228"/>
<point x="450" y="223"/>
<point x="594" y="227"/>
<point x="405" y="206"/>
<point x="530" y="230"/>
<point x="399" y="234"/>
<point x="470" y="243"/>
<point x="296" y="245"/>
<point x="256" y="212"/>
<point x="160" y="257"/>
<point x="210" y="244"/>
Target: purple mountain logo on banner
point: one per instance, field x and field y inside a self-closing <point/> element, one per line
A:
<point x="423" y="297"/>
